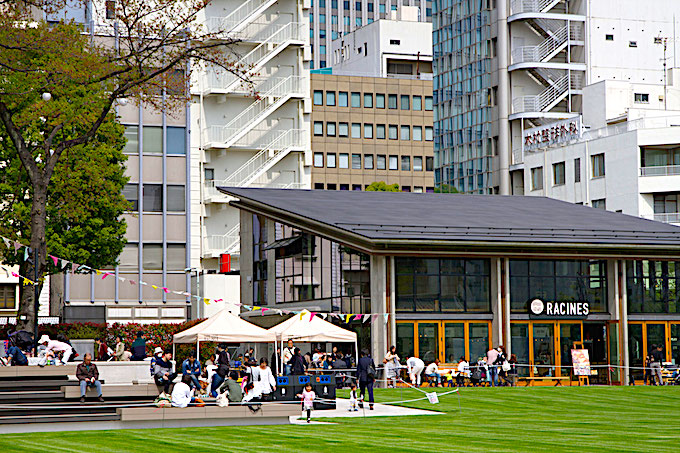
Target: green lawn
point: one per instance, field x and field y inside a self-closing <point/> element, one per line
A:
<point x="531" y="419"/>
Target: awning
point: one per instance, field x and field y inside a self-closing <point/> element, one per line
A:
<point x="283" y="243"/>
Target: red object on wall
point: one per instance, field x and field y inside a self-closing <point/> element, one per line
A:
<point x="225" y="263"/>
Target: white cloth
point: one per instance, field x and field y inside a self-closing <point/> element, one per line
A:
<point x="254" y="393"/>
<point x="432" y="368"/>
<point x="181" y="395"/>
<point x="287" y="354"/>
<point x="263" y="379"/>
<point x="464" y="368"/>
<point x="415" y="369"/>
<point x="60" y="346"/>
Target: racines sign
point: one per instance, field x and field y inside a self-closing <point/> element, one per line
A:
<point x="542" y="309"/>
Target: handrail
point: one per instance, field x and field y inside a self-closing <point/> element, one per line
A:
<point x="238" y="16"/>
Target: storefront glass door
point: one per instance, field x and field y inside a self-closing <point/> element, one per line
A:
<point x="543" y="349"/>
<point x="479" y="340"/>
<point x="569" y="334"/>
<point x="656" y="335"/>
<point x="675" y="344"/>
<point x="595" y="341"/>
<point x="614" y="357"/>
<point x="428" y="341"/>
<point x="454" y="341"/>
<point x="520" y="346"/>
<point x="405" y="343"/>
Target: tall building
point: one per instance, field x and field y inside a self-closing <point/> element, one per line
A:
<point x="331" y="19"/>
<point x="372" y="111"/>
<point x="502" y="67"/>
<point x="247" y="134"/>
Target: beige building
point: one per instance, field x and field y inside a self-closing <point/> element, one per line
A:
<point x="367" y="129"/>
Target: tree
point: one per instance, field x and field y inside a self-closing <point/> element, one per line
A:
<point x="58" y="84"/>
<point x="445" y="188"/>
<point x="380" y="186"/>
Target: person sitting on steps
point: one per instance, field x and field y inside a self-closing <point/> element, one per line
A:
<point x="88" y="375"/>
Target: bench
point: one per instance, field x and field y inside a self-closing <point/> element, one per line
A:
<point x="558" y="380"/>
<point x="13" y="372"/>
<point x="115" y="390"/>
<point x="270" y="413"/>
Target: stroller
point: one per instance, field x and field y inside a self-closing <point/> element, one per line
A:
<point x="21" y="339"/>
<point x="476" y="376"/>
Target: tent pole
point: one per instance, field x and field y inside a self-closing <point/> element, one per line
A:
<point x="173" y="351"/>
<point x="356" y="350"/>
<point x="276" y="354"/>
<point x="198" y="355"/>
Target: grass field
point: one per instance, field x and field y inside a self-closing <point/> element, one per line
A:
<point x="536" y="419"/>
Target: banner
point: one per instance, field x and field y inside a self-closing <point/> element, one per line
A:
<point x="581" y="361"/>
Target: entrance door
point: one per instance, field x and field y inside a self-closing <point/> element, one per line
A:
<point x="675" y="344"/>
<point x="520" y="346"/>
<point x="454" y="341"/>
<point x="570" y="333"/>
<point x="636" y="350"/>
<point x="428" y="341"/>
<point x="656" y="335"/>
<point x="544" y="349"/>
<point x="595" y="341"/>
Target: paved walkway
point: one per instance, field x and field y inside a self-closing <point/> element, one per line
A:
<point x="379" y="410"/>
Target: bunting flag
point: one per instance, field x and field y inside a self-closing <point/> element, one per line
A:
<point x="386" y="315"/>
<point x="6" y="241"/>
<point x="218" y="300"/>
<point x="366" y="318"/>
<point x="54" y="258"/>
<point x="358" y="317"/>
<point x="311" y="316"/>
<point x="165" y="290"/>
<point x="132" y="282"/>
<point x="154" y="286"/>
<point x="106" y="274"/>
<point x="17" y="246"/>
<point x="26" y="252"/>
<point x="97" y="271"/>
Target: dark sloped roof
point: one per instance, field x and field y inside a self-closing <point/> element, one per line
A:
<point x="399" y="216"/>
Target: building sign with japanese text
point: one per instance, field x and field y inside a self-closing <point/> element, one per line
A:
<point x="552" y="134"/>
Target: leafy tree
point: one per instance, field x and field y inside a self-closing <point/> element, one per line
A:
<point x="58" y="85"/>
<point x="380" y="186"/>
<point x="445" y="188"/>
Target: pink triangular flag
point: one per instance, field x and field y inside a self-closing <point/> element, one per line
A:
<point x="106" y="274"/>
<point x="263" y="308"/>
<point x="311" y="316"/>
<point x="54" y="258"/>
<point x="374" y="317"/>
<point x="218" y="300"/>
<point x="17" y="246"/>
<point x="166" y="290"/>
<point x="75" y="267"/>
<point x="358" y="317"/>
<point x="132" y="282"/>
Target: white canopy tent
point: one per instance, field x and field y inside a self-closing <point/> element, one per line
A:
<point x="223" y="327"/>
<point x="303" y="328"/>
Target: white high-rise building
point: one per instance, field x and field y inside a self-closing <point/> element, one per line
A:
<point x="505" y="66"/>
<point x="243" y="138"/>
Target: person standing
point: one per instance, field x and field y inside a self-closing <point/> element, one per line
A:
<point x="263" y="378"/>
<point x="120" y="349"/>
<point x="138" y="347"/>
<point x="288" y="352"/>
<point x="88" y="375"/>
<point x="512" y="373"/>
<point x="392" y="365"/>
<point x="192" y="368"/>
<point x="657" y="359"/>
<point x="163" y="374"/>
<point x="415" y="368"/>
<point x="366" y="377"/>
<point x="102" y="350"/>
<point x="297" y="363"/>
<point x="463" y="371"/>
<point x="222" y="361"/>
<point x="308" y="396"/>
<point x="491" y="357"/>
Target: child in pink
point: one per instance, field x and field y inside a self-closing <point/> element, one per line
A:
<point x="307" y="397"/>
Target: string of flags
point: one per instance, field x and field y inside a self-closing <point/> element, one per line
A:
<point x="62" y="264"/>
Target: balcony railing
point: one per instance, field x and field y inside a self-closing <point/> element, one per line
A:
<point x="666" y="217"/>
<point x="530" y="6"/>
<point x="669" y="170"/>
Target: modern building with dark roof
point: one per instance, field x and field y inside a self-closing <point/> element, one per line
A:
<point x="458" y="274"/>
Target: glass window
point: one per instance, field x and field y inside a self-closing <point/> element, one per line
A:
<point x="381" y="162"/>
<point x="177" y="140"/>
<point x="478" y="340"/>
<point x="356" y="130"/>
<point x="176" y="198"/>
<point x="368" y="100"/>
<point x="577" y="170"/>
<point x="209" y="174"/>
<point x="380" y="131"/>
<point x="600" y="203"/>
<point x="380" y="101"/>
<point x="330" y="98"/>
<point x="356" y="161"/>
<point x="428" y="341"/>
<point x="417" y="103"/>
<point x="405" y="341"/>
<point x="417" y="133"/>
<point x="358" y="21"/>
<point x="152" y="197"/>
<point x="129" y="258"/>
<point x="428" y="134"/>
<point x="394" y="162"/>
<point x="356" y="100"/>
<point x="368" y="161"/>
<point x="559" y="281"/>
<point x="429" y="163"/>
<point x="132" y="137"/>
<point x="405" y="102"/>
<point x="558" y="174"/>
<point x="318" y="160"/>
<point x="343" y="129"/>
<point x="392" y="101"/>
<point x="520" y="345"/>
<point x="598" y="165"/>
<point x="417" y="163"/>
<point x="318" y="97"/>
<point x="176" y="255"/>
<point x="152" y="257"/>
<point x="318" y="127"/>
<point x="330" y="129"/>
<point x="393" y="132"/>
<point x="153" y="139"/>
<point x="368" y="131"/>
<point x="405" y="133"/>
<point x="322" y="18"/>
<point x="537" y="178"/>
<point x="454" y="341"/>
<point x="428" y="102"/>
<point x="131" y="194"/>
<point x="330" y="160"/>
<point x="405" y="163"/>
<point x="344" y="160"/>
<point x="544" y="348"/>
<point x="342" y="99"/>
<point x="652" y="286"/>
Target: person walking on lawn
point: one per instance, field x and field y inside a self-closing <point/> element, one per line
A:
<point x="88" y="375"/>
<point x="366" y="375"/>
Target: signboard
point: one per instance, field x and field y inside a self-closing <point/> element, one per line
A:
<point x="581" y="361"/>
<point x="573" y="310"/>
<point x="551" y="134"/>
